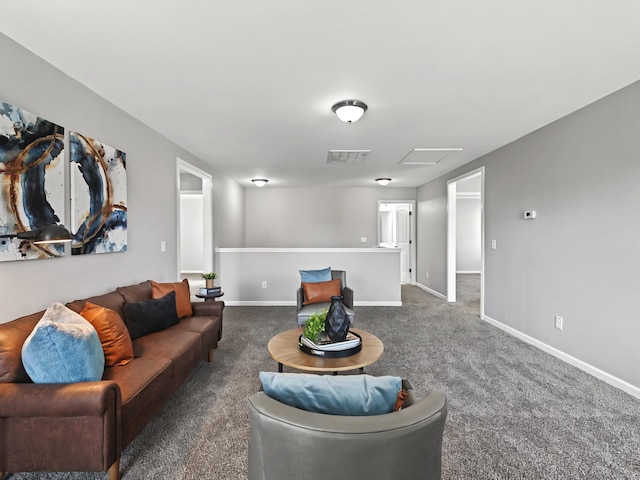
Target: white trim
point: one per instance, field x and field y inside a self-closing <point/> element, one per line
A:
<point x="468" y="271"/>
<point x="309" y="250"/>
<point x="207" y="213"/>
<point x="412" y="229"/>
<point x="432" y="292"/>
<point x="586" y="367"/>
<point x="289" y="303"/>
<point x="451" y="240"/>
<point x="468" y="195"/>
<point x="452" y="198"/>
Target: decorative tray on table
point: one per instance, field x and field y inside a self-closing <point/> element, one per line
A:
<point x="323" y="347"/>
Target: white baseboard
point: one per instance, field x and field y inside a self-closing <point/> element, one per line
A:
<point x="432" y="292"/>
<point x="377" y="304"/>
<point x="590" y="369"/>
<point x="468" y="271"/>
<point x="288" y="303"/>
<point x="259" y="303"/>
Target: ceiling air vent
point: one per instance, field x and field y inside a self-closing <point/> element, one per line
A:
<point x="347" y="157"/>
<point x="428" y="156"/>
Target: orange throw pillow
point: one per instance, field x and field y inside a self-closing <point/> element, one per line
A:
<point x="183" y="295"/>
<point x="319" y="292"/>
<point x="113" y="334"/>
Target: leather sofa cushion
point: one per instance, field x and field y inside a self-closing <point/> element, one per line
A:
<point x="183" y="295"/>
<point x="143" y="386"/>
<point x="12" y="337"/>
<point x="207" y="327"/>
<point x="111" y="300"/>
<point x="319" y="292"/>
<point x="135" y="293"/>
<point x="113" y="333"/>
<point x="181" y="347"/>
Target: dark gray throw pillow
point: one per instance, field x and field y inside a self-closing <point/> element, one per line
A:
<point x="148" y="316"/>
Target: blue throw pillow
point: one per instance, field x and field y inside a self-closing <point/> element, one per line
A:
<point x="313" y="276"/>
<point x="63" y="348"/>
<point x="333" y="394"/>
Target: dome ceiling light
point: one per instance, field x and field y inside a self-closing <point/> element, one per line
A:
<point x="349" y="111"/>
<point x="383" y="181"/>
<point x="260" y="182"/>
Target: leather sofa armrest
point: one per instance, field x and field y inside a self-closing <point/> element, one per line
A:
<point x="61" y="427"/>
<point x="59" y="400"/>
<point x="207" y="309"/>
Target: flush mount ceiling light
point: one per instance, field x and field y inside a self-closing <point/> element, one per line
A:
<point x="260" y="182"/>
<point x="349" y="111"/>
<point x="383" y="181"/>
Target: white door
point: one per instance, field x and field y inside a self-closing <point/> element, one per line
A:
<point x="403" y="241"/>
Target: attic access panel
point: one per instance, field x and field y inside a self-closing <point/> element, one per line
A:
<point x="428" y="156"/>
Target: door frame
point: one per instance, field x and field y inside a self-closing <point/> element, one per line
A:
<point x="183" y="166"/>
<point x="451" y="234"/>
<point x="412" y="233"/>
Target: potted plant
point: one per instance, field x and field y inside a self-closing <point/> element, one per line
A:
<point x="209" y="278"/>
<point x="315" y="324"/>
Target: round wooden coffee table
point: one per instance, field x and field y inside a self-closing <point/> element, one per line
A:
<point x="284" y="349"/>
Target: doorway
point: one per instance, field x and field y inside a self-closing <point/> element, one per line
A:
<point x="468" y="252"/>
<point x="396" y="229"/>
<point x="195" y="220"/>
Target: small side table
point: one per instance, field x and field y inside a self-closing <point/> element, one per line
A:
<point x="210" y="298"/>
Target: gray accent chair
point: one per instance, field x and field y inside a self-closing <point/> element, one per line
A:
<point x="304" y="311"/>
<point x="289" y="443"/>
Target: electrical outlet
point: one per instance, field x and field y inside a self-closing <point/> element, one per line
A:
<point x="363" y="239"/>
<point x="559" y="322"/>
<point x="264" y="284"/>
<point x="163" y="246"/>
<point x="494" y="244"/>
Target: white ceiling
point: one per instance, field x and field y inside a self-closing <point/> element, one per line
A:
<point x="248" y="85"/>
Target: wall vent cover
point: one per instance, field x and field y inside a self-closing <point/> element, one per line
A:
<point x="428" y="156"/>
<point x="347" y="157"/>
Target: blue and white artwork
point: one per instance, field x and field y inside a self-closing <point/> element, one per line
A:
<point x="31" y="181"/>
<point x="98" y="196"/>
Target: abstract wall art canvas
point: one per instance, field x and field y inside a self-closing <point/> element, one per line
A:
<point x="98" y="196"/>
<point x="31" y="181"/>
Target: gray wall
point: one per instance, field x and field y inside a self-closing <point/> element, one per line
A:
<point x="579" y="258"/>
<point x="316" y="217"/>
<point x="29" y="286"/>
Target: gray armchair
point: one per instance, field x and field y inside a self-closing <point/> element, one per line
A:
<point x="347" y="300"/>
<point x="289" y="443"/>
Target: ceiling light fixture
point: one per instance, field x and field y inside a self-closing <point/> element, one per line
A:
<point x="383" y="181"/>
<point x="260" y="182"/>
<point x="349" y="111"/>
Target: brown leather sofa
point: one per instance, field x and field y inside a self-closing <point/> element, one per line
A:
<point x="85" y="426"/>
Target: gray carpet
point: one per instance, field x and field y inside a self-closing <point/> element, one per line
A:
<point x="514" y="412"/>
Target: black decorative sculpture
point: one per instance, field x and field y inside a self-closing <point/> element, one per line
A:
<point x="337" y="323"/>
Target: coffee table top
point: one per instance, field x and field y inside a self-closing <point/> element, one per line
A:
<point x="284" y="349"/>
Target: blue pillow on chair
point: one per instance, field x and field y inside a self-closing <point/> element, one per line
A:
<point x="333" y="394"/>
<point x="314" y="276"/>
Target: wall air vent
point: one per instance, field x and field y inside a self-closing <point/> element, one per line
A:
<point x="347" y="157"/>
<point x="428" y="156"/>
